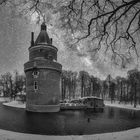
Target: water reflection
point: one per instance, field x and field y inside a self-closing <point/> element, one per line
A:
<point x="133" y="114"/>
<point x="68" y="122"/>
<point x="110" y="113"/>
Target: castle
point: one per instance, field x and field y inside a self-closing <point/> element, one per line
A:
<point x="43" y="74"/>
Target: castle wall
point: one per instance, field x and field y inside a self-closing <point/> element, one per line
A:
<point x="44" y="52"/>
<point x="48" y="92"/>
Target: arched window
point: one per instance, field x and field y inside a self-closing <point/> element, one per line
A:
<point x="35" y="85"/>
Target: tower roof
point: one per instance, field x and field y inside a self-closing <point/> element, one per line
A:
<point x="43" y="37"/>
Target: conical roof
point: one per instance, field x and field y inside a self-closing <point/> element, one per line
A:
<point x="43" y="37"/>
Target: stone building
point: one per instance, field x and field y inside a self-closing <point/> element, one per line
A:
<point x="43" y="75"/>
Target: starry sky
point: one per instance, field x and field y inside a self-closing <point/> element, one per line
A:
<point x="15" y="34"/>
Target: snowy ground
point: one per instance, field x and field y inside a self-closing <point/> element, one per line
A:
<point x="122" y="105"/>
<point x="16" y="104"/>
<point x="107" y="103"/>
<point x="133" y="134"/>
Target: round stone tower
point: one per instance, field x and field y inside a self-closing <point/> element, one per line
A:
<point x="43" y="75"/>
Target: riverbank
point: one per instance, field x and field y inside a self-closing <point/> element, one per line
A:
<point x="19" y="104"/>
<point x="132" y="134"/>
<point x="121" y="105"/>
<point x="15" y="104"/>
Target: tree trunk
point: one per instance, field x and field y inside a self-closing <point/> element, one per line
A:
<point x="135" y="95"/>
<point x="82" y="86"/>
<point x="127" y="92"/>
<point x="121" y="93"/>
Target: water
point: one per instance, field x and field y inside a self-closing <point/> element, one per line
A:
<point x="68" y="122"/>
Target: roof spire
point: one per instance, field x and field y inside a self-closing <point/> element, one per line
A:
<point x="44" y="18"/>
<point x="43" y="25"/>
<point x="43" y="36"/>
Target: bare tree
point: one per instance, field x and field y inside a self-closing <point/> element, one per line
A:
<point x="111" y="25"/>
<point x="7" y="83"/>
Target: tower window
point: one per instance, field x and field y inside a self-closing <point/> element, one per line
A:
<point x="35" y="74"/>
<point x="35" y="85"/>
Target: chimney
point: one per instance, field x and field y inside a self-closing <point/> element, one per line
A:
<point x="32" y="38"/>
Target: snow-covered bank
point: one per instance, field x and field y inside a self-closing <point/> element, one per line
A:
<point x="15" y="104"/>
<point x="133" y="134"/>
<point x="121" y="105"/>
<point x="18" y="104"/>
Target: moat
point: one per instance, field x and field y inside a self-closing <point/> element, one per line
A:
<point x="68" y="122"/>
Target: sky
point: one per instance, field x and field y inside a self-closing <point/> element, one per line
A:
<point x="15" y="35"/>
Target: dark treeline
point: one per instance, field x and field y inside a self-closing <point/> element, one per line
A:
<point x="81" y="84"/>
<point x="12" y="85"/>
<point x="126" y="90"/>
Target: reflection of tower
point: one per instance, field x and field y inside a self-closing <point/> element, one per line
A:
<point x="42" y="74"/>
